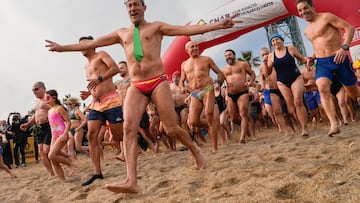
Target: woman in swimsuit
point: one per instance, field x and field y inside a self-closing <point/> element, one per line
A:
<point x="220" y="94"/>
<point x="289" y="79"/>
<point x="78" y="122"/>
<point x="60" y="125"/>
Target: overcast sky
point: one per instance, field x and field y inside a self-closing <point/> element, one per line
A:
<point x="26" y="24"/>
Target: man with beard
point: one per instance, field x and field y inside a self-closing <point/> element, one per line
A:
<point x="236" y="73"/>
<point x="196" y="70"/>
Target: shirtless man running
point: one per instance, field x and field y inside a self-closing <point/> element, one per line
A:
<point x="149" y="82"/>
<point x="196" y="71"/>
<point x="122" y="87"/>
<point x="105" y="105"/>
<point x="43" y="131"/>
<point x="236" y="73"/>
<point x="331" y="54"/>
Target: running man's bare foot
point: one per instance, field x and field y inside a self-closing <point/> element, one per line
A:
<point x="51" y="177"/>
<point x="71" y="169"/>
<point x="333" y="131"/>
<point x="122" y="187"/>
<point x="199" y="159"/>
<point x="305" y="134"/>
<point x="213" y="151"/>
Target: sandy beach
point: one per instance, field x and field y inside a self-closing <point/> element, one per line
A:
<point x="270" y="169"/>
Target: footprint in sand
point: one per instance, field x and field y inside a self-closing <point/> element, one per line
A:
<point x="280" y="159"/>
<point x="80" y="196"/>
<point x="288" y="191"/>
<point x="195" y="185"/>
<point x="304" y="174"/>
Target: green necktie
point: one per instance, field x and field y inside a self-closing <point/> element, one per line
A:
<point x="138" y="52"/>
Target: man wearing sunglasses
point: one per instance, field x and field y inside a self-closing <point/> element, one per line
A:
<point x="43" y="131"/>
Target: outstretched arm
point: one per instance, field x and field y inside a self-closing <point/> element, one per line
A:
<point x="102" y="41"/>
<point x="173" y="30"/>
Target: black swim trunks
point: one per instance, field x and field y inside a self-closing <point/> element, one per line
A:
<point x="43" y="134"/>
<point x="236" y="96"/>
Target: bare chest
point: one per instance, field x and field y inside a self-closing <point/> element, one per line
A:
<point x="234" y="71"/>
<point x="95" y="66"/>
<point x="196" y="66"/>
<point x="318" y="29"/>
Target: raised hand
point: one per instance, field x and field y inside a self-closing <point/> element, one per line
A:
<point x="230" y="22"/>
<point x="53" y="46"/>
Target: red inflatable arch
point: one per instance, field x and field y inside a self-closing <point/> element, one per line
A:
<point x="256" y="15"/>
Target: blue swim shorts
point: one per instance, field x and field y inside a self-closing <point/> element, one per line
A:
<point x="325" y="67"/>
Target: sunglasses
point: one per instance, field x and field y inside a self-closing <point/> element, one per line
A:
<point x="35" y="89"/>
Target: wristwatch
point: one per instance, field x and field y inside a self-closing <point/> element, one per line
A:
<point x="345" y="47"/>
<point x="100" y="78"/>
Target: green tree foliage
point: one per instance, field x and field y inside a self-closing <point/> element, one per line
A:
<point x="248" y="57"/>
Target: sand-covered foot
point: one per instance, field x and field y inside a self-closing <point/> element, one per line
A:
<point x="121" y="187"/>
<point x="304" y="134"/>
<point x="199" y="159"/>
<point x="333" y="131"/>
<point x="71" y="169"/>
<point x="51" y="177"/>
<point x="213" y="151"/>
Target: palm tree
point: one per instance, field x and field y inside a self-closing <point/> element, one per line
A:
<point x="248" y="57"/>
<point x="67" y="96"/>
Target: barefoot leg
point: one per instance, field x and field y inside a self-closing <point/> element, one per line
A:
<point x="122" y="187"/>
<point x="333" y="131"/>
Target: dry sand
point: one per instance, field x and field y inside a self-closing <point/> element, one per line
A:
<point x="270" y="169"/>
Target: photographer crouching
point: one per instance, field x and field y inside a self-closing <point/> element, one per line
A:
<point x="19" y="137"/>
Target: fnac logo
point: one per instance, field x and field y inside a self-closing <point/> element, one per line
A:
<point x="201" y="22"/>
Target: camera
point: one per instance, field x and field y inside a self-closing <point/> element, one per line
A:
<point x="15" y="118"/>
